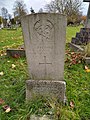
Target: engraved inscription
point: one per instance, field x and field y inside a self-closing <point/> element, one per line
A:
<point x="45" y="63"/>
<point x="38" y="89"/>
<point x="44" y="31"/>
<point x="44" y="37"/>
<point x="49" y="89"/>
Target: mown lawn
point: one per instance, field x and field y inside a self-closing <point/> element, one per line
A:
<point x="10" y="38"/>
<point x="71" y="32"/>
<point x="13" y="74"/>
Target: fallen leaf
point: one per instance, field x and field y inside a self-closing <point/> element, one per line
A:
<point x="72" y="104"/>
<point x="16" y="56"/>
<point x="72" y="53"/>
<point x="1" y="73"/>
<point x="7" y="108"/>
<point x="13" y="66"/>
<point x="5" y="53"/>
<point x="1" y="54"/>
<point x="79" y="61"/>
<point x="86" y="68"/>
<point x="1" y="101"/>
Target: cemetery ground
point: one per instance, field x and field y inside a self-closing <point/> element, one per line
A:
<point x="13" y="74"/>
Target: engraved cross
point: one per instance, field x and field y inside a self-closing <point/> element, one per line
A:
<point x="45" y="63"/>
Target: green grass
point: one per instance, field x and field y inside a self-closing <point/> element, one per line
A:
<point x="10" y="38"/>
<point x="71" y="32"/>
<point x="12" y="86"/>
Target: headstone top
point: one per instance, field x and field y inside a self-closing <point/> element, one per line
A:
<point x="86" y="0"/>
<point x="44" y="13"/>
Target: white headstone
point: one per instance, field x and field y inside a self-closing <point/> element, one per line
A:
<point x="44" y="36"/>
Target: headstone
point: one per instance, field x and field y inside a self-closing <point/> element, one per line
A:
<point x="44" y="37"/>
<point x="1" y="26"/>
<point x="87" y="24"/>
<point x="82" y="38"/>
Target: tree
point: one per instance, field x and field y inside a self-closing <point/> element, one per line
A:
<point x="72" y="10"/>
<point x="40" y="10"/>
<point x="4" y="12"/>
<point x="69" y="7"/>
<point x="0" y="20"/>
<point x="51" y="7"/>
<point x="19" y="9"/>
<point x="9" y="16"/>
<point x="32" y="10"/>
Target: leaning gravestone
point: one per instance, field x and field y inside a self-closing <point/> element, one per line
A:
<point x="44" y="37"/>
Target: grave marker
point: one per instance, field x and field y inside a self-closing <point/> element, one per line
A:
<point x="44" y="36"/>
<point x="87" y="24"/>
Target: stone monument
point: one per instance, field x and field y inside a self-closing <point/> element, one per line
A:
<point x="87" y="24"/>
<point x="44" y="36"/>
<point x="83" y="37"/>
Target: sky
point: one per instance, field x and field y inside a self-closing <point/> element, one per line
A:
<point x="35" y="4"/>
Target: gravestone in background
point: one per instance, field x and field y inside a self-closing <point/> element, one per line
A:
<point x="83" y="37"/>
<point x="44" y="37"/>
<point x="87" y="24"/>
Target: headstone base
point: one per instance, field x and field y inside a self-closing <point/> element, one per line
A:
<point x="44" y="117"/>
<point x="46" y="88"/>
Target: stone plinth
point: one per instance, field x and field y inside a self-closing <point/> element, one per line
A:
<point x="53" y="89"/>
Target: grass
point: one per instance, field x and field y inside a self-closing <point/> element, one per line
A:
<point x="12" y="86"/>
<point x="10" y="39"/>
<point x="71" y="32"/>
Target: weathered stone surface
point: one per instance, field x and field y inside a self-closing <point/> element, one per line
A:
<point x="44" y="36"/>
<point x="16" y="53"/>
<point x="45" y="87"/>
<point x="87" y="23"/>
<point x="44" y="117"/>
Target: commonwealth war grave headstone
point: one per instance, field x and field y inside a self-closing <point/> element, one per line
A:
<point x="44" y="37"/>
